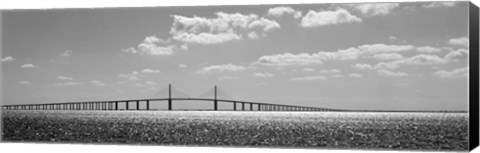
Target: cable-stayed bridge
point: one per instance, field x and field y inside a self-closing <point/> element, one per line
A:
<point x="218" y="96"/>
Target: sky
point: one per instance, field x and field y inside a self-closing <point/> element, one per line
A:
<point x="374" y="56"/>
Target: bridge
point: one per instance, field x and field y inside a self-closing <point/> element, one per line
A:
<point x="115" y="104"/>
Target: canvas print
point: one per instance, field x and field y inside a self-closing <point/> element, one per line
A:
<point x="375" y="76"/>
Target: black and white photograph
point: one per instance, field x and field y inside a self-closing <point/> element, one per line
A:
<point x="355" y="76"/>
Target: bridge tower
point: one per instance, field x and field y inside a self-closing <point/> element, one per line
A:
<point x="215" y="102"/>
<point x="169" y="97"/>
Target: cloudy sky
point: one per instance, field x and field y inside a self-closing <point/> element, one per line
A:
<point x="388" y="56"/>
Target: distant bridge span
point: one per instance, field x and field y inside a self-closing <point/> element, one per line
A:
<point x="114" y="104"/>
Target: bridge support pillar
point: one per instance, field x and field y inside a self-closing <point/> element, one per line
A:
<point x="251" y="106"/>
<point x="215" y="105"/>
<point x="215" y="102"/>
<point x="148" y="105"/>
<point x="169" y="97"/>
<point x="138" y="105"/>
<point x="234" y="106"/>
<point x="126" y="105"/>
<point x="258" y="105"/>
<point x="243" y="106"/>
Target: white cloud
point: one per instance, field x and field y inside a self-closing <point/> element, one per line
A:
<point x="98" y="83"/>
<point x="228" y="78"/>
<point x="439" y="4"/>
<point x="23" y="82"/>
<point x="253" y="35"/>
<point x="323" y="18"/>
<point x="309" y="78"/>
<point x="280" y="11"/>
<point x="331" y="71"/>
<point x="150" y="71"/>
<point x="135" y="75"/>
<point x="131" y="76"/>
<point x="288" y="59"/>
<point x="28" y="66"/>
<point x="207" y="38"/>
<point x="387" y="73"/>
<point x="364" y="51"/>
<point x="308" y="69"/>
<point x="67" y="53"/>
<point x="456" y="73"/>
<point x="64" y="78"/>
<point x="392" y="38"/>
<point x="462" y="41"/>
<point x="182" y="65"/>
<point x="152" y="45"/>
<point x="362" y="66"/>
<point x="388" y="56"/>
<point x="355" y="75"/>
<point x="154" y="39"/>
<point x="152" y="83"/>
<point x="224" y="67"/>
<point x="184" y="47"/>
<point x="457" y="54"/>
<point x="423" y="59"/>
<point x="428" y="49"/>
<point x="374" y="9"/>
<point x="387" y="65"/>
<point x="265" y="24"/>
<point x="69" y="84"/>
<point x="337" y="76"/>
<point x="263" y="75"/>
<point x="383" y="48"/>
<point x="130" y="50"/>
<point x="7" y="59"/>
<point x="152" y="49"/>
<point x="225" y="27"/>
<point x="344" y="54"/>
<point x="148" y="85"/>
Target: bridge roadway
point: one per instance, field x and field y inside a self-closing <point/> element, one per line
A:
<point x="114" y="105"/>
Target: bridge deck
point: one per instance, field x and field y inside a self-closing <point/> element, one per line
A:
<point x="114" y="105"/>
